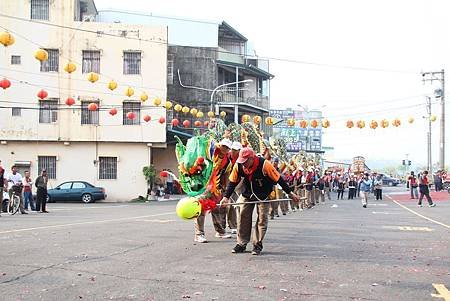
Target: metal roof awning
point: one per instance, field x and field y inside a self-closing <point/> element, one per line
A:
<point x="250" y="69"/>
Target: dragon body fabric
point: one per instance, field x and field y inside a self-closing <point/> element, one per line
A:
<point x="202" y="171"/>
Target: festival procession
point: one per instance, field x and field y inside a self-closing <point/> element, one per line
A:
<point x="182" y="150"/>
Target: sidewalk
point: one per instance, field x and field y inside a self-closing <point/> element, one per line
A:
<point x="175" y="197"/>
<point x="440" y="196"/>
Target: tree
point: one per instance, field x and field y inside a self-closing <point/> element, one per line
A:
<point x="150" y="175"/>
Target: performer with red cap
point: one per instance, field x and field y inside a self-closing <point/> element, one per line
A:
<point x="259" y="178"/>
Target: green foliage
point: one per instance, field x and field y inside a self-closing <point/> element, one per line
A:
<point x="149" y="173"/>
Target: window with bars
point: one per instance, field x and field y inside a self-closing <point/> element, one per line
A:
<point x="40" y="10"/>
<point x="49" y="164"/>
<point x="48" y="111"/>
<point x="170" y="69"/>
<point x="52" y="64"/>
<point x="15" y="59"/>
<point x="91" y="61"/>
<point x="131" y="62"/>
<point x="16" y="111"/>
<point x="107" y="168"/>
<point x="89" y="117"/>
<point x="134" y="107"/>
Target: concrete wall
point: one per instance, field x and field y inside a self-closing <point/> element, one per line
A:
<point x="199" y="64"/>
<point x="76" y="162"/>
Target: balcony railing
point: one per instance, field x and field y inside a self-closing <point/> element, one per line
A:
<point x="228" y="95"/>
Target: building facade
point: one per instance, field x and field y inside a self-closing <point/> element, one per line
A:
<point x="205" y="60"/>
<point x="74" y="142"/>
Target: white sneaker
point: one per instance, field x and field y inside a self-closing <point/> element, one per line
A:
<point x="200" y="238"/>
<point x="419" y="206"/>
<point x="233" y="231"/>
<point x="218" y="235"/>
<point x="432" y="205"/>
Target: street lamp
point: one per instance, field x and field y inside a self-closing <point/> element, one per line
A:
<point x="224" y="85"/>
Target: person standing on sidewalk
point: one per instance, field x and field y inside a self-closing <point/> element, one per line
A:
<point x="27" y="192"/>
<point x="378" y="183"/>
<point x="413" y="184"/>
<point x="3" y="185"/>
<point x="365" y="187"/>
<point x="424" y="189"/>
<point x="41" y="197"/>
<point x="259" y="178"/>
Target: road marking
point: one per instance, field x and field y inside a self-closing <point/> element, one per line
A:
<point x="377" y="204"/>
<point x="161" y="221"/>
<point x="442" y="292"/>
<point x="409" y="228"/>
<point x="383" y="212"/>
<point x="86" y="223"/>
<point x="420" y="215"/>
<point x="84" y="208"/>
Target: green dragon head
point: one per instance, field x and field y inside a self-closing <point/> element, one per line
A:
<point x="195" y="163"/>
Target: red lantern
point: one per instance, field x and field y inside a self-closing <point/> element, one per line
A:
<point x="42" y="94"/>
<point x="162" y="120"/>
<point x="186" y="123"/>
<point x="5" y="84"/>
<point x="350" y="124"/>
<point x="175" y="122"/>
<point x="198" y="123"/>
<point x="314" y="123"/>
<point x="131" y="115"/>
<point x="92" y="106"/>
<point x="147" y="118"/>
<point x="70" y="101"/>
<point x="206" y="123"/>
<point x="113" y="111"/>
<point x="303" y="124"/>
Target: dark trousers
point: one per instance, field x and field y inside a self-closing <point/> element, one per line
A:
<point x="378" y="194"/>
<point x="170" y="187"/>
<point x="424" y="191"/>
<point x="41" y="199"/>
<point x="351" y="193"/>
<point x="341" y="194"/>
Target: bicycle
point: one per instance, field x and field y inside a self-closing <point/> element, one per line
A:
<point x="14" y="201"/>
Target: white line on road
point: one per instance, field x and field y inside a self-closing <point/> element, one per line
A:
<point x="420" y="215"/>
<point x="86" y="223"/>
<point x="383" y="212"/>
<point x="84" y="208"/>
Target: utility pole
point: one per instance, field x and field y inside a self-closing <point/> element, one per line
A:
<point x="429" y="162"/>
<point x="431" y="77"/>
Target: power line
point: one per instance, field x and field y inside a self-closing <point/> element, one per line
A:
<point x="288" y="60"/>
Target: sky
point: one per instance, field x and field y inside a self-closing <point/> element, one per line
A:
<point x="337" y="46"/>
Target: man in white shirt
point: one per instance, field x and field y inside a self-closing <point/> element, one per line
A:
<point x="14" y="181"/>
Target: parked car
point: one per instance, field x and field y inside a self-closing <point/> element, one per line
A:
<point x="76" y="191"/>
<point x="446" y="183"/>
<point x="389" y="181"/>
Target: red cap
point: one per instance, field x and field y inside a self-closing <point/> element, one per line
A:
<point x="244" y="154"/>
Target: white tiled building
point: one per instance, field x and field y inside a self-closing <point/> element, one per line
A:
<point x="73" y="143"/>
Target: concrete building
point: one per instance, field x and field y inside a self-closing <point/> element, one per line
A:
<point x="73" y="143"/>
<point x="202" y="56"/>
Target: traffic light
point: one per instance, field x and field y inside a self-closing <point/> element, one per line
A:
<point x="409" y="162"/>
<point x="403" y="162"/>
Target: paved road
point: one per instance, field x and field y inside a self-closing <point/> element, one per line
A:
<point x="336" y="251"/>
